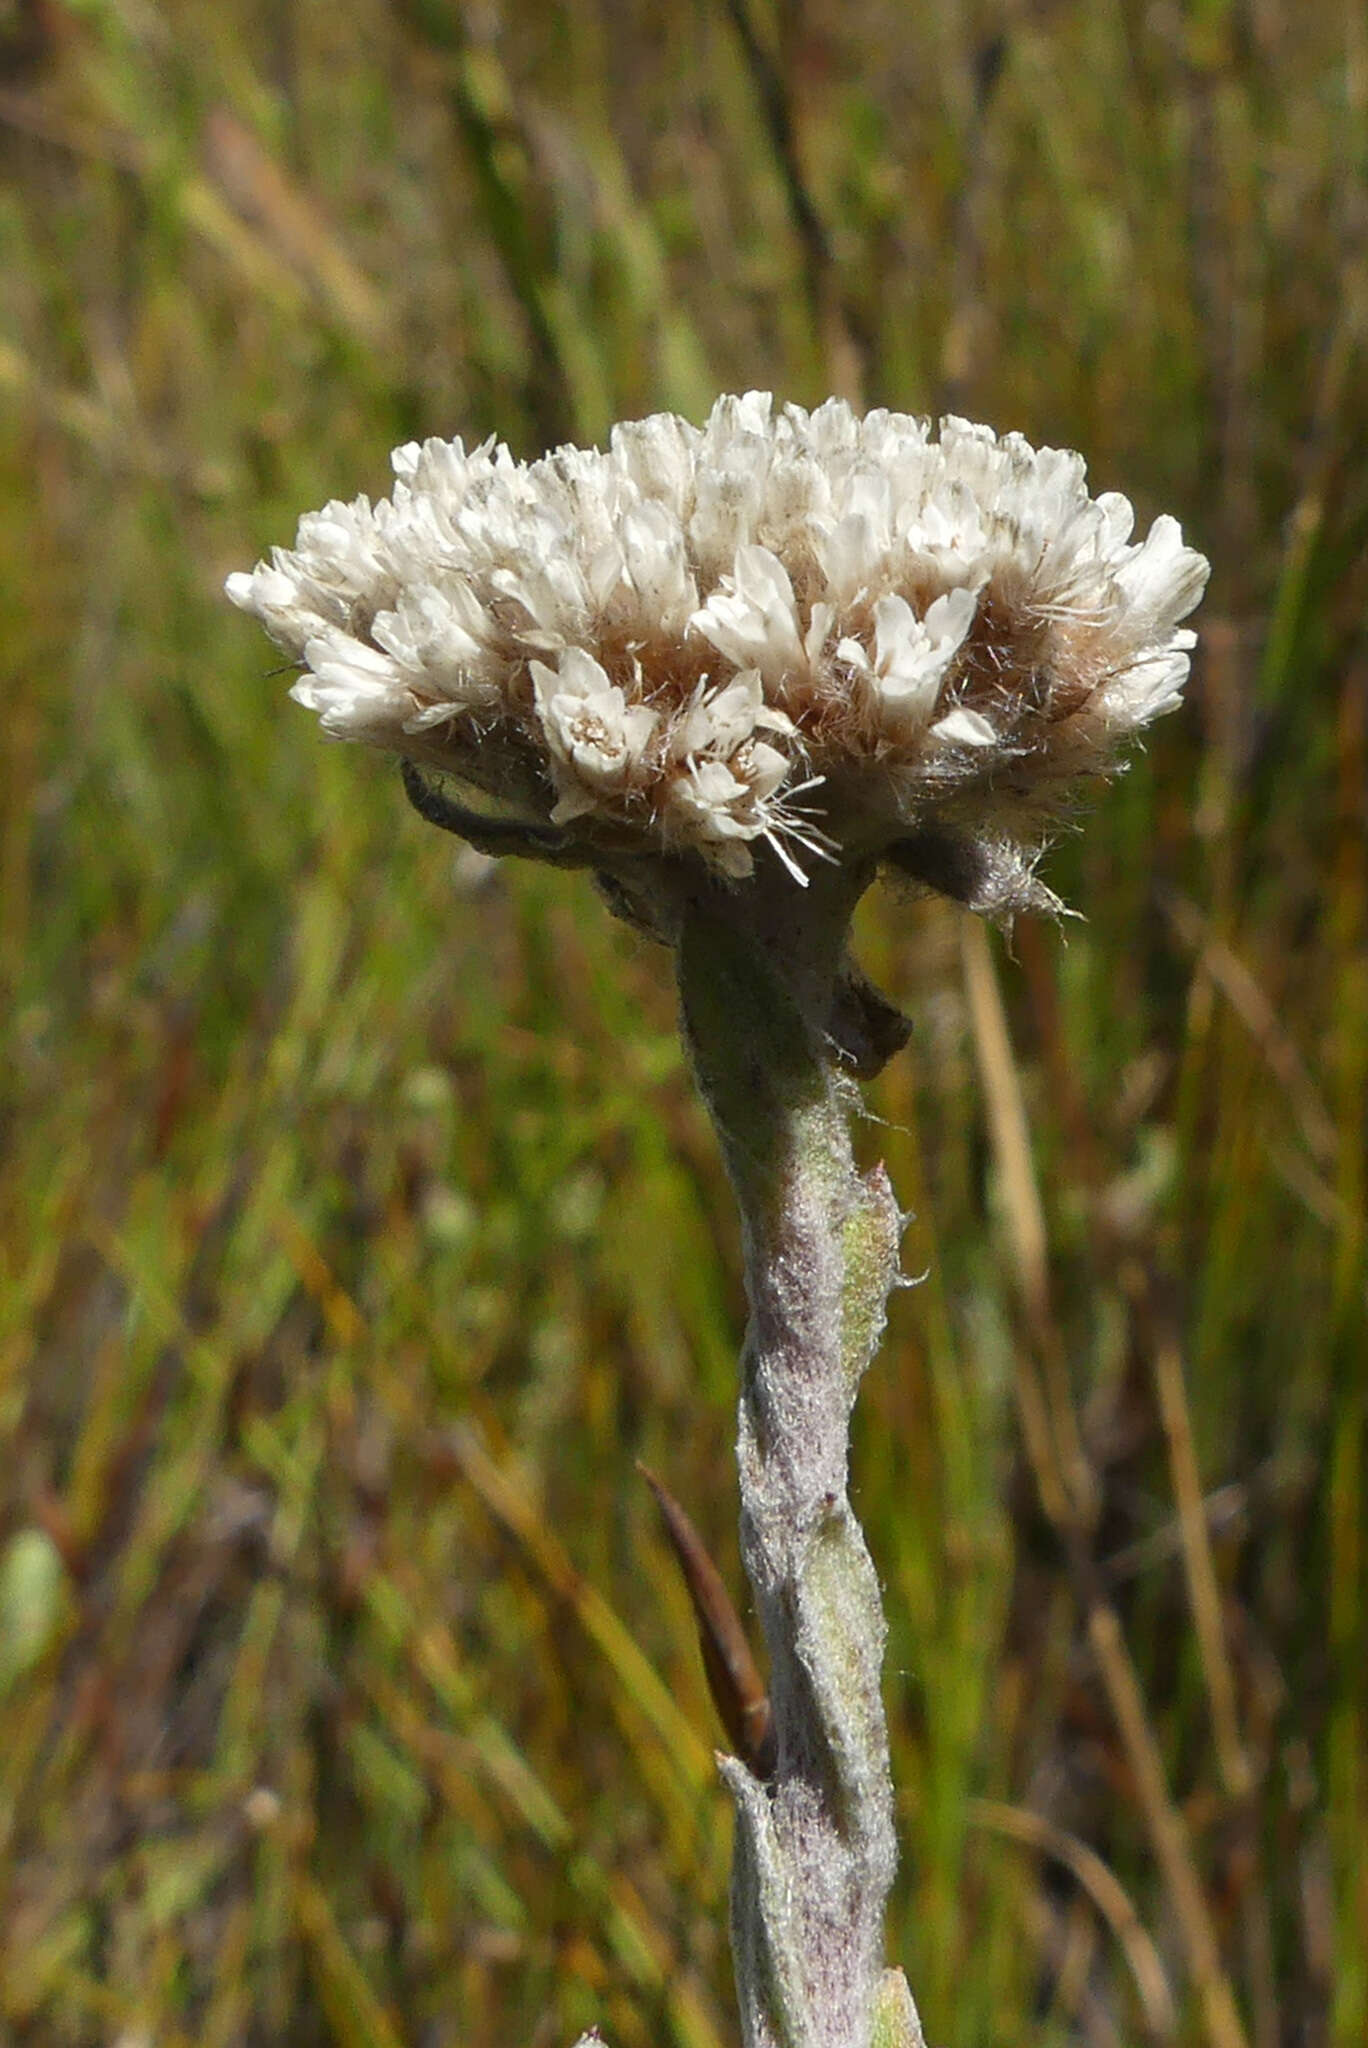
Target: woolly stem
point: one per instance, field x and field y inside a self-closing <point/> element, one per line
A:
<point x="815" y="1850"/>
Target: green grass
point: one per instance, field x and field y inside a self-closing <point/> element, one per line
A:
<point x="359" y="1227"/>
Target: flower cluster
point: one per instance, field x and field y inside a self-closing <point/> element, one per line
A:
<point x="830" y="635"/>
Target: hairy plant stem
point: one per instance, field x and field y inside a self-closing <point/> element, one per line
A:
<point x="815" y="1851"/>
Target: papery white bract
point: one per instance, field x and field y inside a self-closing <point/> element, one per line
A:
<point x="663" y="646"/>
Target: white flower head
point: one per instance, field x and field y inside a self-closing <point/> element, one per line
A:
<point x="788" y="635"/>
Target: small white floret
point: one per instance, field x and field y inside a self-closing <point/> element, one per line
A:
<point x="597" y="740"/>
<point x="911" y="655"/>
<point x="753" y="619"/>
<point x="355" y="689"/>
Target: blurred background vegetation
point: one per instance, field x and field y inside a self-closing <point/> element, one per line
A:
<point x="359" y="1226"/>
